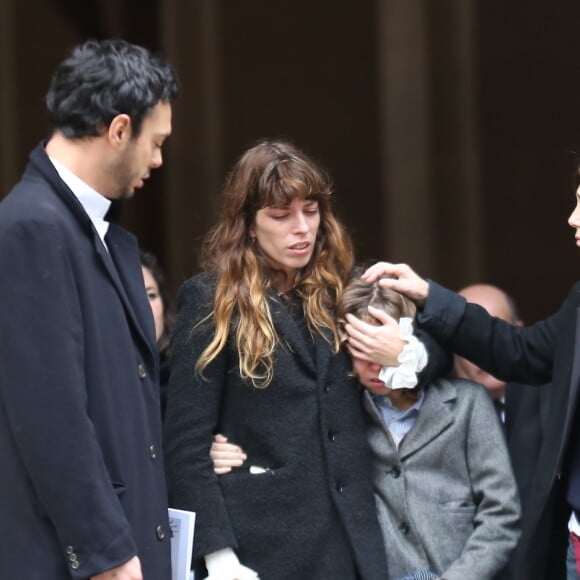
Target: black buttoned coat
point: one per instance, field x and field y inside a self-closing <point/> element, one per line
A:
<point x="546" y="351"/>
<point x="81" y="486"/>
<point x="308" y="511"/>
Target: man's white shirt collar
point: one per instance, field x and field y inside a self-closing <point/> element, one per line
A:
<point x="95" y="204"/>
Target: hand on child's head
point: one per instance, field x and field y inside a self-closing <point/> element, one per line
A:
<point x="382" y="317"/>
<point x="379" y="343"/>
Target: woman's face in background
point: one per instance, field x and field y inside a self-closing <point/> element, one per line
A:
<point x="155" y="301"/>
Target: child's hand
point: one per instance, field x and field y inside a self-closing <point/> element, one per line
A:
<point x="225" y="455"/>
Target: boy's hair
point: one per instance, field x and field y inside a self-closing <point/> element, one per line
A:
<point x="360" y="294"/>
<point x="102" y="79"/>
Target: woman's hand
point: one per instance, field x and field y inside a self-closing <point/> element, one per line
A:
<point x="378" y="344"/>
<point x="403" y="279"/>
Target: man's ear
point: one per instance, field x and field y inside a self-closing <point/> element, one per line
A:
<point x="120" y="129"/>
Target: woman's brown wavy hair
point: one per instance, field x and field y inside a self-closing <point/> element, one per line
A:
<point x="270" y="173"/>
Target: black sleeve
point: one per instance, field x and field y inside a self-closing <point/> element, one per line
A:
<point x="440" y="359"/>
<point x="511" y="353"/>
<point x="192" y="418"/>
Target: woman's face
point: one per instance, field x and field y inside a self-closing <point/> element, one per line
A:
<point x="287" y="234"/>
<point x="155" y="301"/>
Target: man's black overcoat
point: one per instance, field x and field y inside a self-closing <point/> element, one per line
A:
<point x="81" y="486"/>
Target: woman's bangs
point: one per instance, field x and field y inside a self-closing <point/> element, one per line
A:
<point x="290" y="186"/>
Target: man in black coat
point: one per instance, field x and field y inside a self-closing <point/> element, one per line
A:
<point x="82" y="491"/>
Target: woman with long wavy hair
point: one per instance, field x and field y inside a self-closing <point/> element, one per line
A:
<point x="256" y="357"/>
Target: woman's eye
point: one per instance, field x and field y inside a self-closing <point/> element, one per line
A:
<point x="152" y="296"/>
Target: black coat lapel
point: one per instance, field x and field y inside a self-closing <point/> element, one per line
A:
<point x="289" y="333"/>
<point x="575" y="376"/>
<point x="128" y="285"/>
<point x="124" y="253"/>
<point x="324" y="354"/>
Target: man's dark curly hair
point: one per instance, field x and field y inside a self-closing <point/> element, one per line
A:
<point x="102" y="79"/>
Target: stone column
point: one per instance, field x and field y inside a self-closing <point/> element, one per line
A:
<point x="9" y="136"/>
<point x="194" y="156"/>
<point x="428" y="132"/>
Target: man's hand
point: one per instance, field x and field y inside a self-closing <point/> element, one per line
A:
<point x="130" y="570"/>
<point x="377" y="344"/>
<point x="403" y="280"/>
<point x="225" y="455"/>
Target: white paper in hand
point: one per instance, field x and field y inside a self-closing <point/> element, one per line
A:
<point x="182" y="524"/>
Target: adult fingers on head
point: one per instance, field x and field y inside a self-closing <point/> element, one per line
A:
<point x="357" y="337"/>
<point x="356" y="353"/>
<point x="382" y="316"/>
<point x="356" y="324"/>
<point x="379" y="269"/>
<point x="392" y="283"/>
<point x="360" y="342"/>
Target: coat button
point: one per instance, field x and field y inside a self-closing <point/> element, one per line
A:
<point x="69" y="550"/>
<point x="395" y="472"/>
<point x="326" y="389"/>
<point x="404" y="528"/>
<point x="331" y="435"/>
<point x="142" y="371"/>
<point x="152" y="452"/>
<point x="74" y="565"/>
<point x="339" y="487"/>
<point x="160" y="532"/>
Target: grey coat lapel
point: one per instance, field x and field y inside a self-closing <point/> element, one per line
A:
<point x="434" y="418"/>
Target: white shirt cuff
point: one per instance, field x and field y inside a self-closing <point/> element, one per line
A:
<point x="224" y="565"/>
<point x="412" y="360"/>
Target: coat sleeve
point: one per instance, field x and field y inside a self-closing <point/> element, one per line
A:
<point x="496" y="521"/>
<point x="511" y="353"/>
<point x="439" y="362"/>
<point x="192" y="418"/>
<point x="44" y="397"/>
